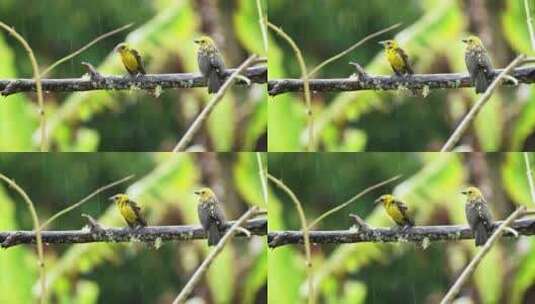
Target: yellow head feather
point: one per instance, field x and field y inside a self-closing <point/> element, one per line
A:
<point x="204" y="41"/>
<point x="472" y="193"/>
<point x="122" y="47"/>
<point x="119" y="198"/>
<point x="472" y="41"/>
<point x="205" y="194"/>
<point x="385" y="199"/>
<point x="389" y="44"/>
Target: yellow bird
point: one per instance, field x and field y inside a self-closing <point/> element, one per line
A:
<point x="398" y="59"/>
<point x="478" y="63"/>
<point x="210" y="63"/>
<point x="131" y="59"/>
<point x="478" y="215"/>
<point x="129" y="210"/>
<point x="210" y="215"/>
<point x="396" y="209"/>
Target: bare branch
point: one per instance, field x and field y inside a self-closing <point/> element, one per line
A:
<point x="195" y="279"/>
<point x="262" y="21"/>
<point x="114" y="235"/>
<point x="305" y="233"/>
<point x="188" y="136"/>
<point x="391" y="235"/>
<point x="37" y="234"/>
<point x="459" y="131"/>
<point x="351" y="48"/>
<point x="354" y="198"/>
<point x="147" y="82"/>
<point x="529" y="20"/>
<point x="305" y="78"/>
<point x="85" y="199"/>
<point x="37" y="84"/>
<point x="467" y="272"/>
<point x="85" y="47"/>
<point x="263" y="179"/>
<point x="529" y="174"/>
<point x="388" y="83"/>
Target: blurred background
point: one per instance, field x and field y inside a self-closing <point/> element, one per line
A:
<point x="131" y="272"/>
<point x="431" y="34"/>
<point x="163" y="32"/>
<point x="399" y="272"/>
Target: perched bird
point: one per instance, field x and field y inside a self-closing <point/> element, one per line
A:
<point x="129" y="210"/>
<point x="478" y="215"/>
<point x="210" y="215"/>
<point x="478" y="63"/>
<point x="396" y="209"/>
<point x="398" y="59"/>
<point x="131" y="59"/>
<point x="210" y="63"/>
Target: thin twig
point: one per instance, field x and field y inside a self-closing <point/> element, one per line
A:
<point x="529" y="173"/>
<point x="38" y="87"/>
<point x="262" y="21"/>
<point x="304" y="76"/>
<point x="85" y="47"/>
<point x="195" y="279"/>
<point x="467" y="272"/>
<point x="467" y="120"/>
<point x="351" y="48"/>
<point x="147" y="234"/>
<point x="263" y="180"/>
<point x="188" y="136"/>
<point x="354" y="198"/>
<point x="305" y="230"/>
<point x="529" y="19"/>
<point x="39" y="241"/>
<point x="85" y="199"/>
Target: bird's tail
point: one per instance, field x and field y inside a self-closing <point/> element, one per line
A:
<point x="481" y="235"/>
<point x="214" y="235"/>
<point x="481" y="82"/>
<point x="215" y="81"/>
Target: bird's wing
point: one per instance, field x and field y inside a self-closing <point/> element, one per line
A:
<point x="484" y="212"/>
<point x="137" y="211"/>
<point x="404" y="211"/>
<point x="216" y="213"/>
<point x="401" y="205"/>
<point x="217" y="62"/>
<point x="140" y="63"/>
<point x="406" y="61"/>
<point x="484" y="62"/>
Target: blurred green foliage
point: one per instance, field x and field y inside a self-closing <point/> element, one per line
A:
<point x="131" y="272"/>
<point x="132" y="120"/>
<point x="388" y="273"/>
<point x="431" y="33"/>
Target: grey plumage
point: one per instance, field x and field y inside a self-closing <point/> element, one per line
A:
<point x="212" y="220"/>
<point x="479" y="218"/>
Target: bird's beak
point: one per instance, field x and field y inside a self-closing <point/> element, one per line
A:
<point x="377" y="201"/>
<point x="197" y="192"/>
<point x="111" y="198"/>
<point x="464" y="192"/>
<point x="465" y="40"/>
<point x="382" y="42"/>
<point x="197" y="41"/>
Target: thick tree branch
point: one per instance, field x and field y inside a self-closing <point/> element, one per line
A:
<point x="383" y="83"/>
<point x="147" y="82"/>
<point x="147" y="234"/>
<point x="379" y="235"/>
